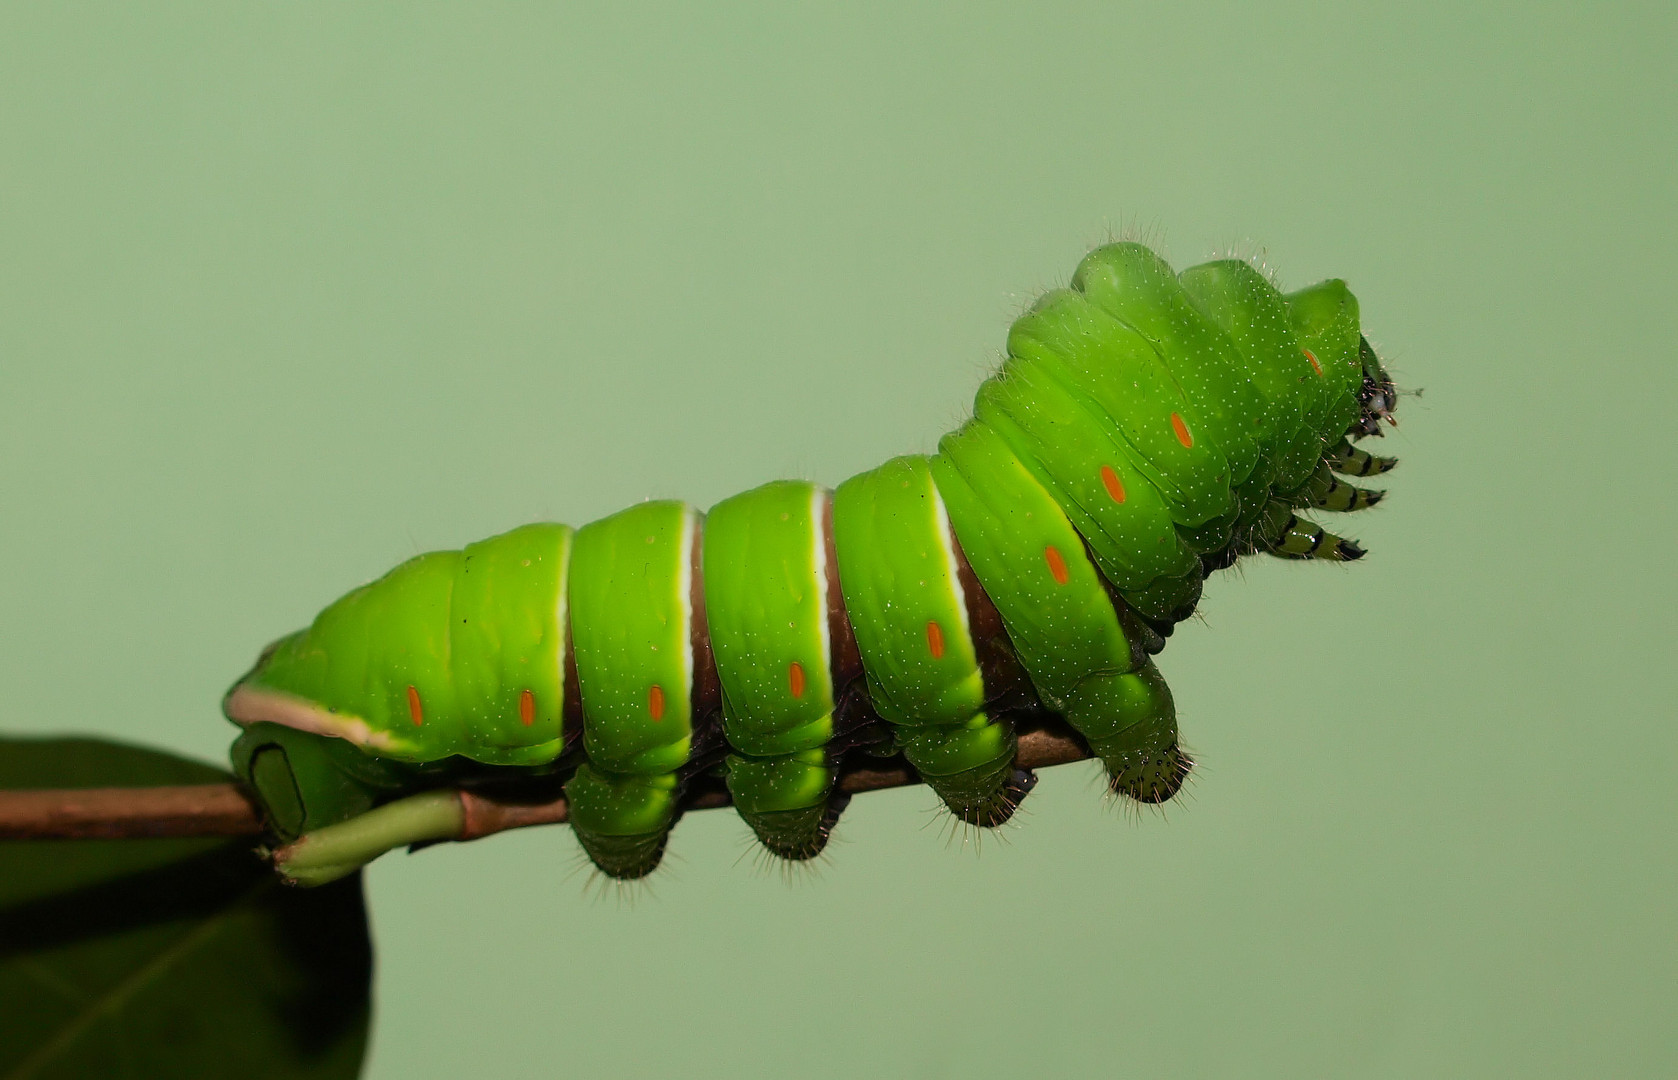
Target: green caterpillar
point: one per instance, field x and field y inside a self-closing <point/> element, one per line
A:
<point x="1146" y="429"/>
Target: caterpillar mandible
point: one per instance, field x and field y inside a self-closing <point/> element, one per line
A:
<point x="1145" y="429"/>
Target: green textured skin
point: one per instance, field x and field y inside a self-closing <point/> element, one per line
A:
<point x="772" y="785"/>
<point x="1135" y="286"/>
<point x="766" y="605"/>
<point x="1065" y="445"/>
<point x="1118" y="373"/>
<point x="902" y="592"/>
<point x="618" y="804"/>
<point x="630" y="635"/>
<point x="1145" y="428"/>
<point x="1325" y="316"/>
<point x="766" y="608"/>
<point x="968" y="765"/>
<point x="470" y="631"/>
<point x="897" y="580"/>
<point x="620" y="819"/>
<point x="1240" y="302"/>
<point x="1137" y="740"/>
<point x="979" y="744"/>
<point x="1052" y="599"/>
<point x="629" y="630"/>
<point x="1065" y="632"/>
<point x="784" y="799"/>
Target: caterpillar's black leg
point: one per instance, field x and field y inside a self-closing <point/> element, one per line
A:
<point x="1348" y="460"/>
<point x="1325" y="491"/>
<point x="1301" y="539"/>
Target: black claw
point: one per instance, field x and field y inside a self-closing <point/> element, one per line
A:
<point x="1350" y="551"/>
<point x="1020" y="785"/>
<point x="836" y="804"/>
<point x="1375" y="497"/>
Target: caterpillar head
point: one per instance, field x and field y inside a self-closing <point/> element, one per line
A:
<point x="1377" y="398"/>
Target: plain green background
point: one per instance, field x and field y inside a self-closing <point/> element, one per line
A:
<point x="289" y="293"/>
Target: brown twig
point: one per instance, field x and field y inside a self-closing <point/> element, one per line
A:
<point x="226" y="809"/>
<point x="1038" y="749"/>
<point x="115" y="813"/>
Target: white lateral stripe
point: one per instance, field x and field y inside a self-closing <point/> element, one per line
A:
<point x="948" y="548"/>
<point x="248" y="705"/>
<point x="563" y="613"/>
<point x="819" y="499"/>
<point x="684" y="595"/>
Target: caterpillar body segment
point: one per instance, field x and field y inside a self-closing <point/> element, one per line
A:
<point x="632" y="631"/>
<point x="1053" y="602"/>
<point x="1246" y="307"/>
<point x="769" y="615"/>
<point x="903" y="592"/>
<point x="1146" y="429"/>
<point x="901" y="572"/>
<point x="767" y="612"/>
<point x="622" y="820"/>
<point x="1136" y="287"/>
<point x="1107" y="367"/>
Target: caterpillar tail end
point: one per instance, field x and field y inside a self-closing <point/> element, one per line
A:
<point x="332" y="809"/>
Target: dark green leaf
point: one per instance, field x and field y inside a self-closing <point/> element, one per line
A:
<point x="168" y="958"/>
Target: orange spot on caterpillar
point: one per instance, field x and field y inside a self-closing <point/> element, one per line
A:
<point x="1110" y="480"/>
<point x="935" y="639"/>
<point x="655" y="701"/>
<point x="527" y="707"/>
<point x="1057" y="565"/>
<point x="416" y="713"/>
<point x="1309" y="355"/>
<point x="795" y="678"/>
<point x="1182" y="430"/>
